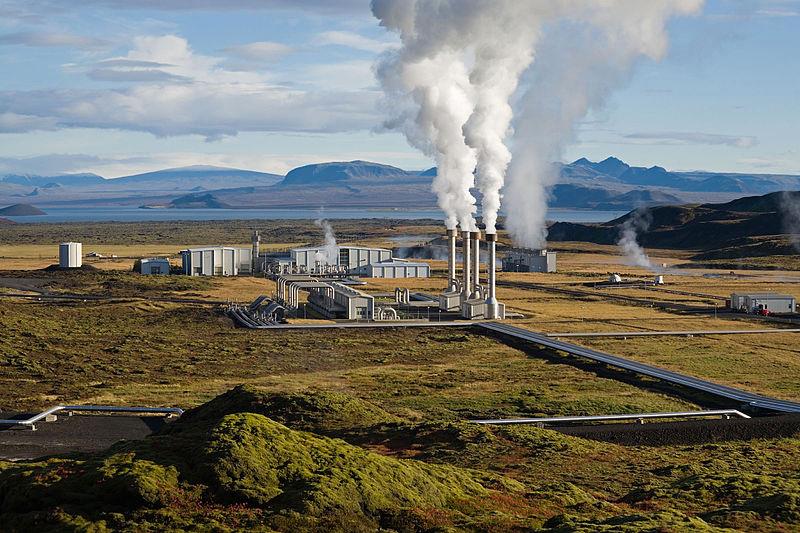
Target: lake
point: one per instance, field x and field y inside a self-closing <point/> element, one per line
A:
<point x="134" y="214"/>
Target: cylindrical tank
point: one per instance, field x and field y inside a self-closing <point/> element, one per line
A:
<point x="467" y="289"/>
<point x="451" y="259"/>
<point x="70" y="255"/>
<point x="476" y="260"/>
<point x="492" y="310"/>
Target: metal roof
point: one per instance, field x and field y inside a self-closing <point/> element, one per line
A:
<point x="339" y="246"/>
<point x="395" y="262"/>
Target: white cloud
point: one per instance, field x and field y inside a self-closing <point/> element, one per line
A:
<point x="190" y="93"/>
<point x="262" y="51"/>
<point x="16" y="123"/>
<point x="693" y="137"/>
<point x="352" y="40"/>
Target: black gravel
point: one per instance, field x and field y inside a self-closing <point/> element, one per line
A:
<point x="68" y="434"/>
<point x="688" y="432"/>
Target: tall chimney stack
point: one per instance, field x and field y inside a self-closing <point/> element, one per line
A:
<point x="467" y="289"/>
<point x="476" y="261"/>
<point x="492" y="309"/>
<point x="451" y="259"/>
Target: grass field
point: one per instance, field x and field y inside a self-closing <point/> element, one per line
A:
<point x="401" y="394"/>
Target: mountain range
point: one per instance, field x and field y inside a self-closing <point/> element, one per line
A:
<point x="610" y="184"/>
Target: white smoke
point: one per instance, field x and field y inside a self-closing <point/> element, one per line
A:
<point x="638" y="222"/>
<point x="461" y="62"/>
<point x="330" y="251"/>
<point x="790" y="211"/>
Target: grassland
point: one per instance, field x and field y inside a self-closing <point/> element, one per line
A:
<point x="398" y="395"/>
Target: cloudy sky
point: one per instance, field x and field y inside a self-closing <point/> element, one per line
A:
<point x="123" y="86"/>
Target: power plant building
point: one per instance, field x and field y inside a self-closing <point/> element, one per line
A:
<point x="158" y="266"/>
<point x="70" y="255"/>
<point x="347" y="257"/>
<point x="342" y="302"/>
<point x="217" y="261"/>
<point x="394" y="269"/>
<point x="525" y="260"/>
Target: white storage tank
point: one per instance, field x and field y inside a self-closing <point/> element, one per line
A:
<point x="70" y="255"/>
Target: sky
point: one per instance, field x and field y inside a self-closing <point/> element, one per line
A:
<point x="118" y="87"/>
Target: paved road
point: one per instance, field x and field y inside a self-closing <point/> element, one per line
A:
<point x="673" y="333"/>
<point x="77" y="433"/>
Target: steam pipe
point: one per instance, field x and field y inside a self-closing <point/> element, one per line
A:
<point x="476" y="261"/>
<point x="451" y="259"/>
<point x="467" y="288"/>
<point x="491" y="301"/>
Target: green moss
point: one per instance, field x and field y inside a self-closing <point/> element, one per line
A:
<point x="654" y="522"/>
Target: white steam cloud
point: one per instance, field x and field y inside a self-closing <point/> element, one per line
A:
<point x="790" y="212"/>
<point x="637" y="222"/>
<point x="330" y="250"/>
<point x="452" y="82"/>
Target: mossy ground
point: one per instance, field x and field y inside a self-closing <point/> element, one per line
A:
<point x="344" y="464"/>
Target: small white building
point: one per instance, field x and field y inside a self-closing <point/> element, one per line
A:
<point x="158" y="266"/>
<point x="780" y="304"/>
<point x="525" y="260"/>
<point x="394" y="268"/>
<point x="70" y="255"/>
<point x="217" y="261"/>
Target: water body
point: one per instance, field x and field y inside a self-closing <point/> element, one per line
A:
<point x="134" y="214"/>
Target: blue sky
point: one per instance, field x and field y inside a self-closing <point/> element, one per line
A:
<point x="123" y="86"/>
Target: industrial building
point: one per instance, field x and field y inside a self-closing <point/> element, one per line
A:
<point x="152" y="266"/>
<point x="329" y="298"/>
<point x="217" y="261"/>
<point x="70" y="255"/>
<point x="394" y="268"/>
<point x="763" y="303"/>
<point x="308" y="258"/>
<point x="527" y="260"/>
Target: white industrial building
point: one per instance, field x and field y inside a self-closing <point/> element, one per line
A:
<point x="342" y="302"/>
<point x="152" y="266"/>
<point x="525" y="260"/>
<point x="394" y="268"/>
<point x="217" y="261"/>
<point x="780" y="304"/>
<point x="70" y="255"/>
<point x="347" y="257"/>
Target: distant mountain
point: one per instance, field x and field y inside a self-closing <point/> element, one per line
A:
<point x="6" y="221"/>
<point x="198" y="201"/>
<point x="21" y="210"/>
<point x="323" y="174"/>
<point x="192" y="177"/>
<point x="745" y="227"/>
<point x="68" y="180"/>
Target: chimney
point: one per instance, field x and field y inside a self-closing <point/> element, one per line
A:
<point x="451" y="259"/>
<point x="492" y="310"/>
<point x="476" y="261"/>
<point x="256" y="251"/>
<point x="467" y="289"/>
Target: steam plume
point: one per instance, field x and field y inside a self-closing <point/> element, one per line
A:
<point x="790" y="211"/>
<point x="638" y="222"/>
<point x="460" y="64"/>
<point x="330" y="250"/>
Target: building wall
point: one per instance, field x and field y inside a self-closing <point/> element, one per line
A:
<point x="155" y="267"/>
<point x="350" y="257"/>
<point x="396" y="270"/>
<point x="217" y="261"/>
<point x="778" y="303"/>
<point x="530" y="261"/>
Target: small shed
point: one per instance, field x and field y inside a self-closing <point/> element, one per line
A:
<point x="395" y="269"/>
<point x="158" y="266"/>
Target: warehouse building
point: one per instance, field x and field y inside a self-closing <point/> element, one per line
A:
<point x="217" y="261"/>
<point x="152" y="265"/>
<point x="394" y="268"/>
<point x="525" y="260"/>
<point x="347" y="257"/>
<point x="765" y="302"/>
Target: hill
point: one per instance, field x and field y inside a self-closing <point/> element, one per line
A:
<point x="194" y="177"/>
<point x="21" y="210"/>
<point x="198" y="201"/>
<point x="747" y="227"/>
<point x="324" y="174"/>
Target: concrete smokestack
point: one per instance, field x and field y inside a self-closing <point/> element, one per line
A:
<point x="492" y="310"/>
<point x="476" y="261"/>
<point x="451" y="259"/>
<point x="467" y="289"/>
